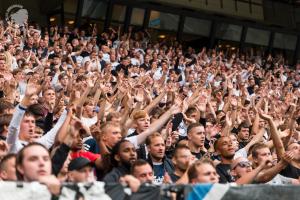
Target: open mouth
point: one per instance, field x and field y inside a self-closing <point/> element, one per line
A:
<point x="31" y="131"/>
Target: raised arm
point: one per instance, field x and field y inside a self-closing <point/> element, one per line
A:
<point x="256" y="138"/>
<point x="49" y="138"/>
<point x="149" y="108"/>
<point x="274" y="134"/>
<point x="158" y="124"/>
<point x="248" y="178"/>
<point x="83" y="98"/>
<point x="62" y="133"/>
<point x="269" y="174"/>
<point x="14" y="126"/>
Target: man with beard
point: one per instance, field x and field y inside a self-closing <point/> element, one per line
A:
<point x="224" y="147"/>
<point x="181" y="159"/>
<point x="122" y="155"/>
<point x="162" y="166"/>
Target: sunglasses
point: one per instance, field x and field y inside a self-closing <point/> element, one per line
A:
<point x="243" y="164"/>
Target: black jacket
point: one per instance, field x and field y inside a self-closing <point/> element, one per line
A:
<point x="59" y="158"/>
<point x="114" y="175"/>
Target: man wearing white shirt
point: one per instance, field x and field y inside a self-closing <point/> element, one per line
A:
<point x="161" y="70"/>
<point x="113" y="61"/>
<point x="94" y="61"/>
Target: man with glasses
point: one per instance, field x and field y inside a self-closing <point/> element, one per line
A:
<point x="242" y="172"/>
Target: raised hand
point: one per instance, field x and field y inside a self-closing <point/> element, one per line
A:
<point x="177" y="107"/>
<point x="234" y="102"/>
<point x="229" y="84"/>
<point x="288" y="156"/>
<point x="229" y="121"/>
<point x="131" y="181"/>
<point x="175" y="137"/>
<point x="90" y="83"/>
<point x="139" y="96"/>
<point x="263" y="115"/>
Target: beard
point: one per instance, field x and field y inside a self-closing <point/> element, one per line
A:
<point x="126" y="164"/>
<point x="157" y="157"/>
<point x="182" y="167"/>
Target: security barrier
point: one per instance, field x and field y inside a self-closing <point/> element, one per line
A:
<point x="100" y="190"/>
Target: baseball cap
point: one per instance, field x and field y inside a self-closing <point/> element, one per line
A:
<point x="79" y="163"/>
<point x="28" y="71"/>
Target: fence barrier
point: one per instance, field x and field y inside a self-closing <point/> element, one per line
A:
<point x="100" y="190"/>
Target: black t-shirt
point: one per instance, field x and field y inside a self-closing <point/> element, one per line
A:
<point x="122" y="67"/>
<point x="199" y="155"/>
<point x="250" y="90"/>
<point x="242" y="144"/>
<point x="224" y="172"/>
<point x="291" y="172"/>
<point x="85" y="54"/>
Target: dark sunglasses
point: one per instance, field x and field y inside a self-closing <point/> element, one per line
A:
<point x="243" y="164"/>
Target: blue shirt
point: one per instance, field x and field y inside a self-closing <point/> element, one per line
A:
<point x="159" y="173"/>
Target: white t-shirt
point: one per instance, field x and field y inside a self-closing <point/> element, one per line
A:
<point x="88" y="122"/>
<point x="279" y="180"/>
<point x="133" y="140"/>
<point x="240" y="153"/>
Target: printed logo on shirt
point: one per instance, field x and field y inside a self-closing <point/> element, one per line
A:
<point x="158" y="180"/>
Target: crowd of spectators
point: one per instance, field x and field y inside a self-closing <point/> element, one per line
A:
<point x="82" y="106"/>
